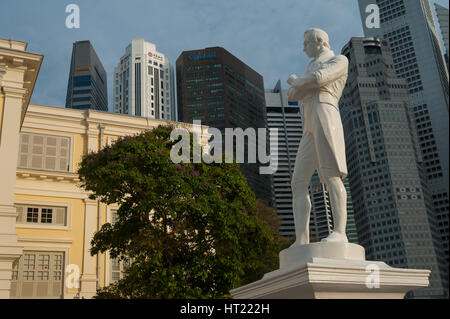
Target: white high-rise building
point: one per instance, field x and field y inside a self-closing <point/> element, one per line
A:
<point x="144" y="83"/>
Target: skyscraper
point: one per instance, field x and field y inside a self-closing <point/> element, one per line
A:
<point x="395" y="221"/>
<point x="321" y="220"/>
<point x="352" y="233"/>
<point x="144" y="83"/>
<point x="442" y="15"/>
<point x="223" y="92"/>
<point x="287" y="118"/>
<point x="409" y="28"/>
<point x="87" y="87"/>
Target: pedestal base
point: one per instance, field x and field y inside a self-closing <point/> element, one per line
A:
<point x="302" y="254"/>
<point x="306" y="273"/>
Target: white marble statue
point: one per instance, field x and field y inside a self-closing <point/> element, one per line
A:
<point x="322" y="146"/>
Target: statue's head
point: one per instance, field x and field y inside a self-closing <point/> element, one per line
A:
<point x="315" y="41"/>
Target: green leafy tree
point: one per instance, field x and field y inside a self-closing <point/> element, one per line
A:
<point x="270" y="259"/>
<point x="189" y="230"/>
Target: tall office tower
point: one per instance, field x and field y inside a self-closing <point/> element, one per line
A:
<point x="223" y="92"/>
<point x="144" y="83"/>
<point x="394" y="220"/>
<point x="87" y="88"/>
<point x="321" y="219"/>
<point x="409" y="28"/>
<point x="287" y="118"/>
<point x="352" y="233"/>
<point x="442" y="15"/>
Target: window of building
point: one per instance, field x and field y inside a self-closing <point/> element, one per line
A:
<point x="81" y="99"/>
<point x="118" y="267"/>
<point x="38" y="274"/>
<point x="81" y="91"/>
<point x="48" y="215"/>
<point x="47" y="152"/>
<point x="82" y="83"/>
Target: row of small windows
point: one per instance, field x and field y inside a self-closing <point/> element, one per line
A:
<point x="81" y="91"/>
<point x="138" y="58"/>
<point x="204" y="79"/>
<point x="404" y="43"/>
<point x="390" y="10"/>
<point x="200" y="67"/>
<point x="200" y="74"/>
<point x="404" y="52"/>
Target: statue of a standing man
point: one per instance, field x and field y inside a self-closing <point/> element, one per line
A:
<point x="322" y="147"/>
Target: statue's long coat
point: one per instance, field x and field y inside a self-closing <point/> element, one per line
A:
<point x="329" y="75"/>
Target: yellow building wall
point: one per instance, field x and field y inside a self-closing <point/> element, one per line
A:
<point x="2" y="101"/>
<point x="71" y="123"/>
<point x="75" y="231"/>
<point x="78" y="150"/>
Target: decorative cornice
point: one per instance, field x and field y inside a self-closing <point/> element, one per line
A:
<point x="43" y="175"/>
<point x="2" y="72"/>
<point x="90" y="202"/>
<point x="46" y="240"/>
<point x="14" y="92"/>
<point x="19" y="60"/>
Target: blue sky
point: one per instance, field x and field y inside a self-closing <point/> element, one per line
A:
<point x="265" y="34"/>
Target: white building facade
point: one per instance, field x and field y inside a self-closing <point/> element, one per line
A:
<point x="144" y="83"/>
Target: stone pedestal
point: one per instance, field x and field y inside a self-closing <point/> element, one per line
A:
<point x="332" y="271"/>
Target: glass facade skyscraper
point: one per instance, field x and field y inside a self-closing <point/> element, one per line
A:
<point x="221" y="91"/>
<point x="87" y="87"/>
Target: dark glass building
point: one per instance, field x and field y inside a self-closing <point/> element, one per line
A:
<point x="223" y="92"/>
<point x="87" y="87"/>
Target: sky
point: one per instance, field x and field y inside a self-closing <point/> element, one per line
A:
<point x="267" y="35"/>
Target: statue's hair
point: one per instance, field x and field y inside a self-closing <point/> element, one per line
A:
<point x="318" y="36"/>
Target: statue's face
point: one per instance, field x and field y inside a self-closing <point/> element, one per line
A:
<point x="311" y="49"/>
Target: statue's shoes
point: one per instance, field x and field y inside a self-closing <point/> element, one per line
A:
<point x="336" y="238"/>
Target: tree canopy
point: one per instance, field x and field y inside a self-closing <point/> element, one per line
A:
<point x="188" y="230"/>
